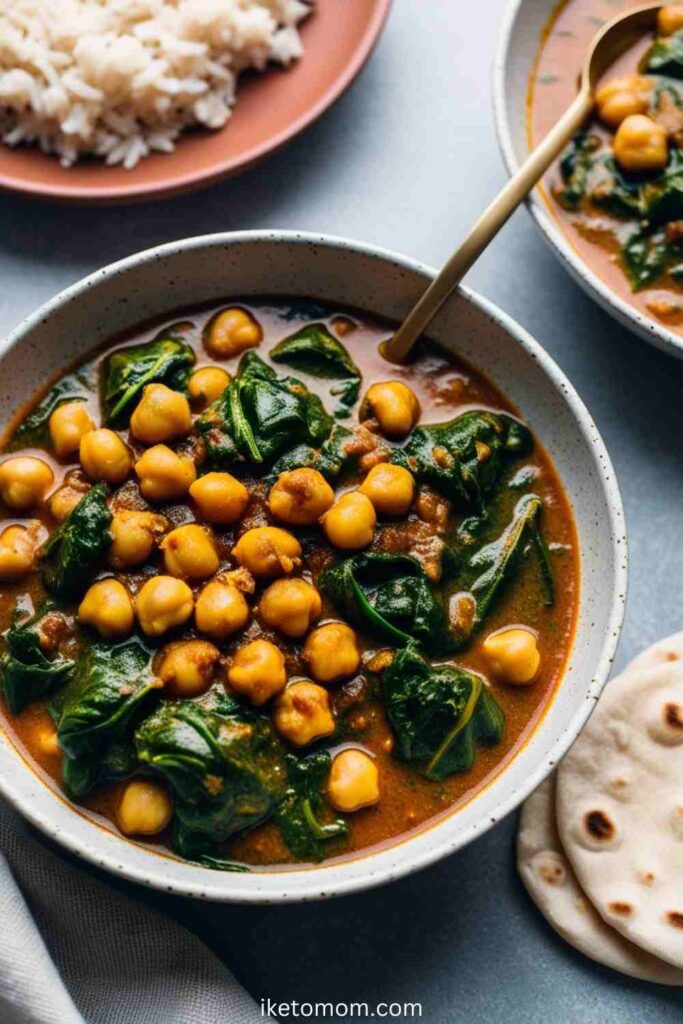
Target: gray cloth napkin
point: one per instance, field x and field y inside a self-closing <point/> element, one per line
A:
<point x="74" y="951"/>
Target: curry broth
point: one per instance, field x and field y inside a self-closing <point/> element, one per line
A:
<point x="552" y="87"/>
<point x="445" y="386"/>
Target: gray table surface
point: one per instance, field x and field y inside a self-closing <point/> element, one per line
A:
<point x="405" y="160"/>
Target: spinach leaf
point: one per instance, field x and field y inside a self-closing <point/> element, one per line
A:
<point x="26" y="672"/>
<point x="666" y="56"/>
<point x="95" y="713"/>
<point x="167" y="359"/>
<point x="644" y="255"/>
<point x="662" y="195"/>
<point x="440" y="714"/>
<point x="317" y="352"/>
<point x="298" y="816"/>
<point x="575" y="168"/>
<point x="224" y="764"/>
<point x="464" y="459"/>
<point x="332" y="458"/>
<point x="33" y="431"/>
<point x="71" y="555"/>
<point x="391" y="595"/>
<point x="260" y="416"/>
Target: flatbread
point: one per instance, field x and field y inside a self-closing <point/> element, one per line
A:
<point x="620" y="808"/>
<point x="554" y="888"/>
<point x="661" y="653"/>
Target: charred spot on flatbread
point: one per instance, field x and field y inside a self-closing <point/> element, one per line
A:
<point x="599" y="826"/>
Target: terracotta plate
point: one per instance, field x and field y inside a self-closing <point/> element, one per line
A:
<point x="271" y="109"/>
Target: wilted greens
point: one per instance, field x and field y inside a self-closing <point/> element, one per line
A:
<point x="666" y="56"/>
<point x="72" y="554"/>
<point x="440" y="714"/>
<point x="332" y="458"/>
<point x="315" y="351"/>
<point x="260" y="416"/>
<point x="165" y="360"/>
<point x="26" y="671"/>
<point x="33" y="431"/>
<point x="299" y="814"/>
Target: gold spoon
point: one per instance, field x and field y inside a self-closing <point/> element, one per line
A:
<point x="609" y="43"/>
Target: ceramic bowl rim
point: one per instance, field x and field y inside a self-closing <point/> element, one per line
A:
<point x="627" y="315"/>
<point x="325" y="882"/>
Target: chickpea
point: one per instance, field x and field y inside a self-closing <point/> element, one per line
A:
<point x="331" y="652"/>
<point x="160" y="415"/>
<point x="145" y="808"/>
<point x="104" y="456"/>
<point x="303" y="713"/>
<point x="24" y="481"/>
<point x="207" y="384"/>
<point x="219" y="498"/>
<point x="669" y="19"/>
<point x="258" y="671"/>
<point x="622" y="97"/>
<point x="231" y="332"/>
<point x="395" y="407"/>
<point x="48" y="741"/>
<point x="221" y="609"/>
<point x="64" y="501"/>
<point x="350" y="523"/>
<point x="164" y="475"/>
<point x="190" y="551"/>
<point x="134" y="535"/>
<point x="108" y="608"/>
<point x="268" y="551"/>
<point x="163" y="603"/>
<point x="641" y="144"/>
<point x="391" y="489"/>
<point x="513" y="655"/>
<point x="17" y="553"/>
<point x="290" y="606"/>
<point x="68" y="423"/>
<point x="353" y="781"/>
<point x="300" y="497"/>
<point x="187" y="668"/>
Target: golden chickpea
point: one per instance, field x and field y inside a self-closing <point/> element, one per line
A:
<point x="300" y="497"/>
<point x="268" y="551"/>
<point x="669" y="19"/>
<point x="303" y="713"/>
<point x="134" y="536"/>
<point x="68" y="423"/>
<point x="350" y="523"/>
<point x="641" y="144"/>
<point x="221" y="609"/>
<point x="160" y="415"/>
<point x="207" y="384"/>
<point x="164" y="475"/>
<point x="258" y="671"/>
<point x="231" y="332"/>
<point x="108" y="608"/>
<point x="104" y="456"/>
<point x="391" y="489"/>
<point x="187" y="668"/>
<point x="513" y="655"/>
<point x="290" y="606"/>
<point x="219" y="498"/>
<point x="48" y="741"/>
<point x="24" y="481"/>
<point x="395" y="407"/>
<point x="17" y="553"/>
<point x="190" y="551"/>
<point x="622" y="97"/>
<point x="145" y="808"/>
<point x="353" y="781"/>
<point x="163" y="603"/>
<point x="331" y="652"/>
<point x="64" y="501"/>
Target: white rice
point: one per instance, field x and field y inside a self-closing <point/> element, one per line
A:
<point x="121" y="78"/>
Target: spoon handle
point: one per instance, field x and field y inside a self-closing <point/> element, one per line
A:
<point x="487" y="227"/>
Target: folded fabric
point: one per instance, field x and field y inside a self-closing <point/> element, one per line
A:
<point x="74" y="951"/>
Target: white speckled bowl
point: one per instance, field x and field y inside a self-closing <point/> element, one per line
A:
<point x="201" y="269"/>
<point x="518" y="44"/>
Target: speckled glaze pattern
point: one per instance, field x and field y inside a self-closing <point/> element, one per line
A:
<point x="518" y="43"/>
<point x="196" y="270"/>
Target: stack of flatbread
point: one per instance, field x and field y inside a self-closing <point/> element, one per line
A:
<point x="600" y="845"/>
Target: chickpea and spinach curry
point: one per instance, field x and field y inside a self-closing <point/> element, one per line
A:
<point x="270" y="600"/>
<point x="618" y="191"/>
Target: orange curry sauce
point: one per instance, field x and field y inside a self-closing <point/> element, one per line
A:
<point x="445" y="387"/>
